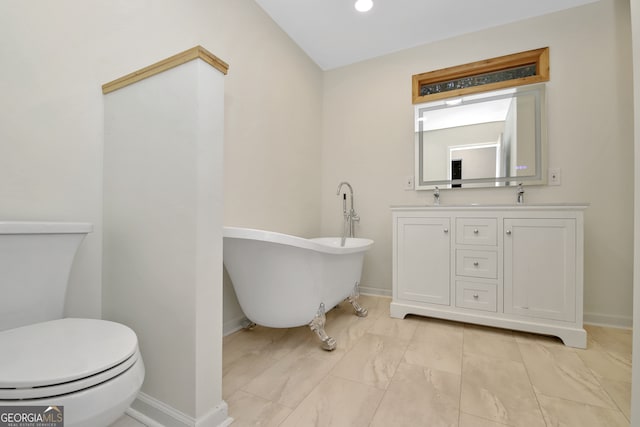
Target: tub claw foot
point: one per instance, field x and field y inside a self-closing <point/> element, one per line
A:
<point x="353" y="299"/>
<point x="317" y="326"/>
<point x="248" y="325"/>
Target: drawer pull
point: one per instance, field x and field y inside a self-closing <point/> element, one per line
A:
<point x="446" y="230"/>
<point x="475" y="231"/>
<point x="475" y="296"/>
<point x="508" y="232"/>
<point x="475" y="263"/>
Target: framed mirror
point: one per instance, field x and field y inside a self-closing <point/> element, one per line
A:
<point x="487" y="139"/>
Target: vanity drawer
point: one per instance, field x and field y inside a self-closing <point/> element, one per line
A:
<point x="477" y="231"/>
<point x="476" y="296"/>
<point x="477" y="263"/>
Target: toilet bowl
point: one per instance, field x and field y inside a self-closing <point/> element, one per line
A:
<point x="90" y="369"/>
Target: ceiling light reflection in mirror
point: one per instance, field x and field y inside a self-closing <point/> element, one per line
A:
<point x="487" y="139"/>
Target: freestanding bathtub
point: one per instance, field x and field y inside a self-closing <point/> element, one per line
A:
<point x="285" y="281"/>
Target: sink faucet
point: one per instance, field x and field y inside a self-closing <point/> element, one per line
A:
<point x="520" y="194"/>
<point x="436" y="196"/>
<point x="348" y="229"/>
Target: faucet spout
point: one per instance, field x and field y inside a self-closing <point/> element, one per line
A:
<point x="348" y="229"/>
<point x="343" y="183"/>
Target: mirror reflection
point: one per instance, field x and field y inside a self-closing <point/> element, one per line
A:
<point x="488" y="139"/>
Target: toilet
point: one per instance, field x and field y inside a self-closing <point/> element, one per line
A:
<point x="91" y="368"/>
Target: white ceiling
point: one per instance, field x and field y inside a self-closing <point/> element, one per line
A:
<point x="334" y="34"/>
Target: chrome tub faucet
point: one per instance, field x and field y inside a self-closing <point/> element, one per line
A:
<point x="348" y="228"/>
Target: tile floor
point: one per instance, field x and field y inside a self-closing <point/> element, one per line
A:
<point x="424" y="372"/>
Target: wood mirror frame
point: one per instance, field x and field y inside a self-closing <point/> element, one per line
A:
<point x="537" y="57"/>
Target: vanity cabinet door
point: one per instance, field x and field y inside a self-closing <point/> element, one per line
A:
<point x="423" y="259"/>
<point x="539" y="268"/>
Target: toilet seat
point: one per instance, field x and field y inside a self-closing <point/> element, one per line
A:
<point x="63" y="356"/>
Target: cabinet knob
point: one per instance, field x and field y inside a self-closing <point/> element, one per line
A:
<point x="509" y="232"/>
<point x="446" y="230"/>
<point x="475" y="263"/>
<point x="475" y="231"/>
<point x="475" y="296"/>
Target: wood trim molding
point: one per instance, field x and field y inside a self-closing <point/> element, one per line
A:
<point x="166" y="64"/>
<point x="539" y="57"/>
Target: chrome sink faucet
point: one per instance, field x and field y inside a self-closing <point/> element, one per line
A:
<point x="436" y="196"/>
<point x="348" y="228"/>
<point x="520" y="194"/>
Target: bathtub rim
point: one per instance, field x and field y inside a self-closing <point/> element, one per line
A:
<point x="318" y="244"/>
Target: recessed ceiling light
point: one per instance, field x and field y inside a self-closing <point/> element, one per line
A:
<point x="364" y="5"/>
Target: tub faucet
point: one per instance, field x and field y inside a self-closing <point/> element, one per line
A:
<point x="520" y="194"/>
<point x="436" y="196"/>
<point x="348" y="229"/>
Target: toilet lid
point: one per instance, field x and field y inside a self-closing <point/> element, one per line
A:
<point x="61" y="351"/>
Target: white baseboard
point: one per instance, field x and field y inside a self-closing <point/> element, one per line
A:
<point x="155" y="413"/>
<point x="216" y="417"/>
<point x="142" y="418"/>
<point x="365" y="290"/>
<point x="599" y="319"/>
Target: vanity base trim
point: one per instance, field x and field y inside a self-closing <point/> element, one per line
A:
<point x="572" y="336"/>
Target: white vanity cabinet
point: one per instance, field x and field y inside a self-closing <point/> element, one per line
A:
<point x="424" y="270"/>
<point x="540" y="268"/>
<point x="518" y="267"/>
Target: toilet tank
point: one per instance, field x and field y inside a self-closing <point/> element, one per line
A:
<point x="35" y="261"/>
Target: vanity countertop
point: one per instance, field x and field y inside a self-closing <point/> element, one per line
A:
<point x="495" y="206"/>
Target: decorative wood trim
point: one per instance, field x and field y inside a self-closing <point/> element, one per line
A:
<point x="166" y="64"/>
<point x="539" y="57"/>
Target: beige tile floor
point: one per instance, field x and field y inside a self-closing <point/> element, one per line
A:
<point x="424" y="372"/>
<point x="127" y="421"/>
